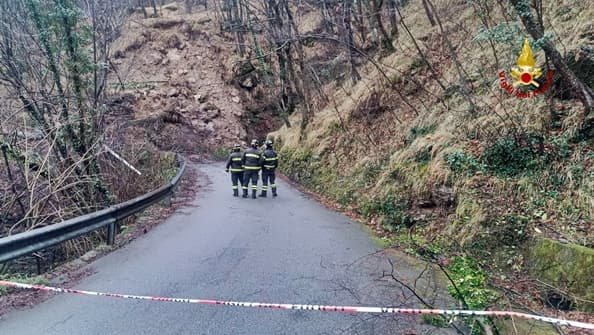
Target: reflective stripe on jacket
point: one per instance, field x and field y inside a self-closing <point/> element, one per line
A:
<point x="269" y="161"/>
<point x="234" y="162"/>
<point x="251" y="159"/>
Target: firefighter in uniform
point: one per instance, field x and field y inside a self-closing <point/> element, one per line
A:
<point x="234" y="164"/>
<point x="269" y="165"/>
<point x="251" y="162"/>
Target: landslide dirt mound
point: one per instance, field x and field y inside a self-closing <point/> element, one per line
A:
<point x="173" y="67"/>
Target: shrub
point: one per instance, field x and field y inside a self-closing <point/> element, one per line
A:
<point x="416" y="132"/>
<point x="470" y="281"/>
<point x="393" y="210"/>
<point x="221" y="154"/>
<point x="462" y="162"/>
<point x="506" y="158"/>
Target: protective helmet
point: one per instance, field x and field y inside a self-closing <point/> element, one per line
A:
<point x="236" y="147"/>
<point x="269" y="143"/>
<point x="254" y="143"/>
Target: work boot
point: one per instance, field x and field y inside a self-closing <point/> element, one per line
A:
<point x="274" y="193"/>
<point x="245" y="193"/>
<point x="235" y="193"/>
<point x="263" y="194"/>
<point x="254" y="192"/>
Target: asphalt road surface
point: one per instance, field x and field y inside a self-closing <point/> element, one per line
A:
<point x="288" y="249"/>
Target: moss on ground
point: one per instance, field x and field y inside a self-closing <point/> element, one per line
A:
<point x="568" y="267"/>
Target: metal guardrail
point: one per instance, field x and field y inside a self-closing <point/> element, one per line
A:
<point x="28" y="242"/>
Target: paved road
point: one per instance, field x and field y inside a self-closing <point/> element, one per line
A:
<point x="288" y="249"/>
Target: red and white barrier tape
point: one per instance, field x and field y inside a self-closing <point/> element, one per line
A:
<point x="348" y="309"/>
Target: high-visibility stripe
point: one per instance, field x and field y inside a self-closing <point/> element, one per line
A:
<point x="271" y="158"/>
<point x="252" y="167"/>
<point x="252" y="155"/>
<point x="264" y="187"/>
<point x="269" y="166"/>
<point x="236" y="187"/>
<point x="273" y="185"/>
<point x="254" y="187"/>
<point x="236" y="170"/>
<point x="237" y="159"/>
<point x="245" y="187"/>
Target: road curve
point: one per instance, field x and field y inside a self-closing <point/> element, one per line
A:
<point x="288" y="249"/>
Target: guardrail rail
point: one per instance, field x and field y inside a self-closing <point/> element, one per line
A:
<point x="21" y="244"/>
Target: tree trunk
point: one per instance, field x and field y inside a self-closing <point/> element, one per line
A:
<point x="393" y="22"/>
<point x="580" y="90"/>
<point x="154" y="5"/>
<point x="327" y="18"/>
<point x="376" y="17"/>
<point x="141" y="5"/>
<point x="348" y="11"/>
<point x="359" y="22"/>
<point x="428" y="12"/>
<point x="237" y="26"/>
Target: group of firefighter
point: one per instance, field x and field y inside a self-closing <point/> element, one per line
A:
<point x="246" y="166"/>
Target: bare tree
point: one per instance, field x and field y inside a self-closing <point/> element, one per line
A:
<point x="392" y="4"/>
<point x="350" y="44"/>
<point x="55" y="75"/>
<point x="375" y="9"/>
<point x="533" y="24"/>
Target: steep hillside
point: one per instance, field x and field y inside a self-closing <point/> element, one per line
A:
<point x="430" y="150"/>
<point x="173" y="67"/>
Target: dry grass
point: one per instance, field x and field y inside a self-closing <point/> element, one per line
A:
<point x="498" y="113"/>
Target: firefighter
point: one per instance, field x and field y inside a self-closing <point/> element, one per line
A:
<point x="251" y="162"/>
<point x="269" y="165"/>
<point x="236" y="167"/>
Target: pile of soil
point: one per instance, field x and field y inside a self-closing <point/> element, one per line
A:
<point x="173" y="69"/>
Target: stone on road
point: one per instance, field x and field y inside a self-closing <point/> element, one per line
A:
<point x="288" y="249"/>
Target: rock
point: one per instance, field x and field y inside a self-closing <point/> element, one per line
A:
<point x="201" y="98"/>
<point x="174" y="56"/>
<point x="568" y="267"/>
<point x="154" y="58"/>
<point x="205" y="107"/>
<point x="185" y="28"/>
<point x="213" y="114"/>
<point x="182" y="72"/>
<point x="443" y="196"/>
<point x="236" y="100"/>
<point x="248" y="83"/>
<point x="173" y="92"/>
<point x="89" y="256"/>
<point x="172" y="42"/>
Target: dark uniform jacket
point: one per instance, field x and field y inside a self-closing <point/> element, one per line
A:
<point x="234" y="162"/>
<point x="251" y="159"/>
<point x="269" y="161"/>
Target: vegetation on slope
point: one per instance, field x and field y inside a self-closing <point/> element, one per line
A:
<point x="418" y="136"/>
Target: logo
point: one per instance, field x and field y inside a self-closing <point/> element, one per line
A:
<point x="525" y="76"/>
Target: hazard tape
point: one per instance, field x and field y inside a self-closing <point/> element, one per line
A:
<point x="347" y="309"/>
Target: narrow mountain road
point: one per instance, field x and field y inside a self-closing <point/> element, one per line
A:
<point x="288" y="249"/>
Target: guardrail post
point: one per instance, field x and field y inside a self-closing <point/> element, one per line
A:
<point x="111" y="233"/>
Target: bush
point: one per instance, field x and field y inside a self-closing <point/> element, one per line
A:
<point x="424" y="155"/>
<point x="416" y="132"/>
<point x="462" y="162"/>
<point x="393" y="210"/>
<point x="506" y="158"/>
<point x="470" y="281"/>
<point x="221" y="154"/>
